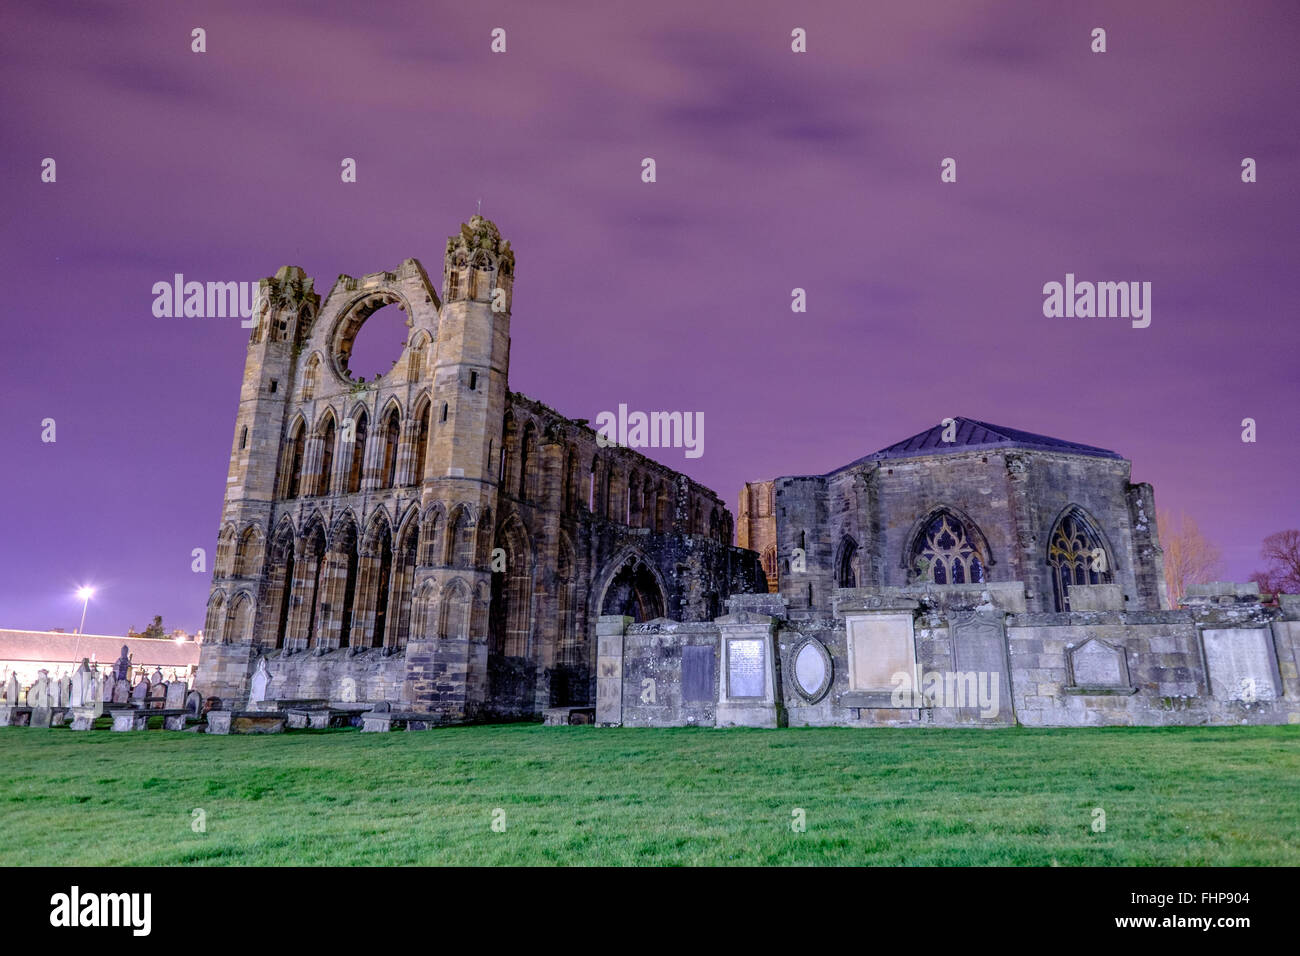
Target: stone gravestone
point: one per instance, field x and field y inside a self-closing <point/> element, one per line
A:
<point x="9" y="715"/>
<point x="121" y="691"/>
<point x="85" y="699"/>
<point x="260" y="685"/>
<point x="122" y="667"/>
<point x="1241" y="664"/>
<point x="745" y="668"/>
<point x="697" y="674"/>
<point x="65" y="691"/>
<point x="141" y="693"/>
<point x="1095" y="664"/>
<point x="979" y="647"/>
<point x="40" y="699"/>
<point x="194" y="703"/>
<point x="81" y="691"/>
<point x="156" y="677"/>
<point x="348" y="690"/>
<point x="175" y="695"/>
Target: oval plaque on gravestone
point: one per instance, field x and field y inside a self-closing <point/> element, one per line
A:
<point x="812" y="670"/>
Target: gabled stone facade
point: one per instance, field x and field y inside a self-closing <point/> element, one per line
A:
<point x="1009" y="502"/>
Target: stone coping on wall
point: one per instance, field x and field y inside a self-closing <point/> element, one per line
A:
<point x="1008" y="596"/>
<point x="1241" y="616"/>
<point x="665" y="625"/>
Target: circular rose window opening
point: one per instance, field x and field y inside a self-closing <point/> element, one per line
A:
<point x="377" y="344"/>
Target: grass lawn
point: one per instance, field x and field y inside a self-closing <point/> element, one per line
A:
<point x="580" y="795"/>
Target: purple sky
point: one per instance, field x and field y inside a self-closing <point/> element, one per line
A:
<point x="775" y="170"/>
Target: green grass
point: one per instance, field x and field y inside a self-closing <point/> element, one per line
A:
<point x="580" y="795"/>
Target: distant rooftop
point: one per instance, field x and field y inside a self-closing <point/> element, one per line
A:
<point x="972" y="434"/>
<point x="61" y="647"/>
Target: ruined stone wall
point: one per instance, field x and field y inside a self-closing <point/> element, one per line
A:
<point x="475" y="547"/>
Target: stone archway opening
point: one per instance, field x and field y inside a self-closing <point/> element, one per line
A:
<point x="634" y="592"/>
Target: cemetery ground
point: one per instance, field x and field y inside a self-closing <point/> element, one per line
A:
<point x="582" y="795"/>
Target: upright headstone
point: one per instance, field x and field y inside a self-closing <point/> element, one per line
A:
<point x="12" y="690"/>
<point x="260" y="684"/>
<point x="979" y="647"/>
<point x="175" y="695"/>
<point x="122" y="667"/>
<point x="348" y="690"/>
<point x="82" y="690"/>
<point x="194" y="703"/>
<point x="156" y="677"/>
<point x="140" y="694"/>
<point x="65" y="691"/>
<point x="121" y="691"/>
<point x="40" y="699"/>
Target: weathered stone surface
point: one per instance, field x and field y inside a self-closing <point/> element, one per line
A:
<point x="1241" y="664"/>
<point x="1097" y="664"/>
<point x="124" y="720"/>
<point x="880" y="647"/>
<point x="1097" y="597"/>
<point x="252" y="722"/>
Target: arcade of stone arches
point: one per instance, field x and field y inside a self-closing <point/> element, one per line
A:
<point x="345" y="587"/>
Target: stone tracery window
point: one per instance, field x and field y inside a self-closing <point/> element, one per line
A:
<point x="945" y="553"/>
<point x="1075" y="555"/>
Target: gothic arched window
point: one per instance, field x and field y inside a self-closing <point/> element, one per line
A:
<point x="359" y="427"/>
<point x="846" y="568"/>
<point x="1076" y="555"/>
<point x="392" y="432"/>
<point x="293" y="458"/>
<point x="945" y="553"/>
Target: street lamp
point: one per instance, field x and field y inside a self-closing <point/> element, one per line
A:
<point x="85" y="594"/>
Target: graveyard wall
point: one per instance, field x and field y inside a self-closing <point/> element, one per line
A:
<point x="653" y="692"/>
<point x="1015" y="666"/>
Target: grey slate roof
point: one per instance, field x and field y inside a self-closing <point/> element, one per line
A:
<point x="975" y="434"/>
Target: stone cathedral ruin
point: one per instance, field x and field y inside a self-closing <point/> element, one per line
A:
<point x="431" y="547"/>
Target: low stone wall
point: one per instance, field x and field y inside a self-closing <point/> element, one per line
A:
<point x="338" y="675"/>
<point x="968" y="661"/>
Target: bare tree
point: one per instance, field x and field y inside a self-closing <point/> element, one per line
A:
<point x="1190" y="557"/>
<point x="1282" y="552"/>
